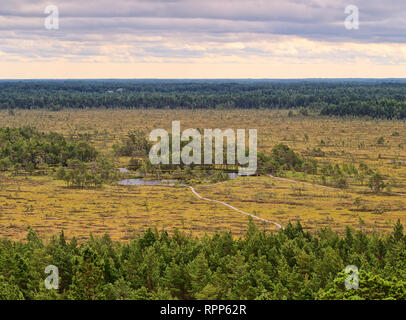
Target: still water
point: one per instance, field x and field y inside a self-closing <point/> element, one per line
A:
<point x="161" y="182"/>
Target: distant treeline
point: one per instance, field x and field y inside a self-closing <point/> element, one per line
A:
<point x="382" y="108"/>
<point x="374" y="98"/>
<point x="291" y="264"/>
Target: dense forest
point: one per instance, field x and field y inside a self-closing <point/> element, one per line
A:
<point x="292" y="264"/>
<point x="373" y="98"/>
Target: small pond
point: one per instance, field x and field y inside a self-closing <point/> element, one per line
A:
<point x="143" y="182"/>
<point x="159" y="182"/>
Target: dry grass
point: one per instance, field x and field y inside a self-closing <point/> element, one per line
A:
<point x="48" y="206"/>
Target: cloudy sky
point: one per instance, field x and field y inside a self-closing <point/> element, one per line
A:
<point x="202" y="39"/>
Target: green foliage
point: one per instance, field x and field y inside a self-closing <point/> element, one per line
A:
<point x="88" y="275"/>
<point x="28" y="148"/>
<point x="285" y="156"/>
<point x="316" y="152"/>
<point x="291" y="264"/>
<point x="385" y="108"/>
<point x="94" y="174"/>
<point x="376" y="183"/>
<point x="282" y="158"/>
<point x="9" y="290"/>
<point x="372" y="98"/>
<point x="135" y="144"/>
<point x="371" y="287"/>
<point x="341" y="182"/>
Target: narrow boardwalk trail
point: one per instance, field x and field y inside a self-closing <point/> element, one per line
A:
<point x="238" y="210"/>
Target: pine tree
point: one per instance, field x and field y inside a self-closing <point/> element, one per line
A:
<point x="398" y="231"/>
<point x="88" y="276"/>
<point x="199" y="274"/>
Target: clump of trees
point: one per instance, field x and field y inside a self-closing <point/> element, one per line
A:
<point x="28" y="149"/>
<point x="340" y="174"/>
<point x="134" y="144"/>
<point x="376" y="183"/>
<point x="290" y="264"/>
<point x="316" y="152"/>
<point x="283" y="158"/>
<point x="79" y="164"/>
<point x="93" y="174"/>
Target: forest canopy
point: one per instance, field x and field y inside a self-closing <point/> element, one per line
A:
<point x="292" y="264"/>
<point x="28" y="148"/>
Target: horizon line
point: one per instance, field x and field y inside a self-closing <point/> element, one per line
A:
<point x="232" y="79"/>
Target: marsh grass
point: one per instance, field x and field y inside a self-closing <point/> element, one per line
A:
<point x="48" y="206"/>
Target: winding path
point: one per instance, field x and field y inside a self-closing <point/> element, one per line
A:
<point x="278" y="178"/>
<point x="238" y="210"/>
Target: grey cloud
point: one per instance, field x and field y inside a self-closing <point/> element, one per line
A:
<point x="322" y="20"/>
<point x="94" y="24"/>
